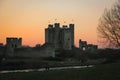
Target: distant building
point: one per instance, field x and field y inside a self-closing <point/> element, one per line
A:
<point x="84" y="46"/>
<point x="13" y="42"/>
<point x="61" y="38"/>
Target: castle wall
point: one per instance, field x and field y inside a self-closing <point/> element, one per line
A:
<point x="47" y="51"/>
<point x="2" y="50"/>
<point x="33" y="53"/>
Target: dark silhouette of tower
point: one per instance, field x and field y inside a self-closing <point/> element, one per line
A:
<point x="72" y="34"/>
<point x="60" y="37"/>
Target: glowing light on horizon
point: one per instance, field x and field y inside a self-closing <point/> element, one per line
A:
<point x="29" y="18"/>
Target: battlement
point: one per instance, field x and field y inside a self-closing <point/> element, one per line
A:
<point x="57" y="25"/>
<point x="50" y="26"/>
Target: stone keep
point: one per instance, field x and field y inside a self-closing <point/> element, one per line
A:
<point x="61" y="38"/>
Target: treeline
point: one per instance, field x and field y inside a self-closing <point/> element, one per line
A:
<point x="109" y="55"/>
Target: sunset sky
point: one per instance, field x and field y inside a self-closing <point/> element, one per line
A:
<point x="29" y="18"/>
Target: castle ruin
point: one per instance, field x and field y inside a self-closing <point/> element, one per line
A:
<point x="87" y="47"/>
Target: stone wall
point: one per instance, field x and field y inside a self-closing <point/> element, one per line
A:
<point x="37" y="52"/>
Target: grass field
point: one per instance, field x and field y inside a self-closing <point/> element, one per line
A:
<point x="100" y="72"/>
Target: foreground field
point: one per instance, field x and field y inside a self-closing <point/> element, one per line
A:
<point x="101" y="72"/>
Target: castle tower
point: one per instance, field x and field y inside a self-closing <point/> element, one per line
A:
<point x="57" y="35"/>
<point x="49" y="34"/>
<point x="66" y="38"/>
<point x="71" y="26"/>
<point x="13" y="43"/>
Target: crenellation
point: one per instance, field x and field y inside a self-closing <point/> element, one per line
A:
<point x="50" y="26"/>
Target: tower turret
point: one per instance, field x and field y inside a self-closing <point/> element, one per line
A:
<point x="57" y="35"/>
<point x="57" y="25"/>
<point x="71" y="26"/>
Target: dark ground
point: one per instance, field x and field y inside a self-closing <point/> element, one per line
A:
<point x="98" y="72"/>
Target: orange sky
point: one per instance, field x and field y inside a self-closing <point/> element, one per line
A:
<point x="29" y="18"/>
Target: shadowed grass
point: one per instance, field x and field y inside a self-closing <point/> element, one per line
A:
<point x="101" y="72"/>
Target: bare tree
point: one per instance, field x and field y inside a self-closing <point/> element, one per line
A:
<point x="109" y="25"/>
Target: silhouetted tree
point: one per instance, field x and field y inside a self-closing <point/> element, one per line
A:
<point x="109" y="25"/>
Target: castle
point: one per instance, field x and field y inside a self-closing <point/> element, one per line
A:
<point x="60" y="37"/>
<point x="56" y="38"/>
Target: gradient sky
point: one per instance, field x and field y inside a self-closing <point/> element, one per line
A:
<point x="29" y="18"/>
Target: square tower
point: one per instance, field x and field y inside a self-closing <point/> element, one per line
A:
<point x="12" y="42"/>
